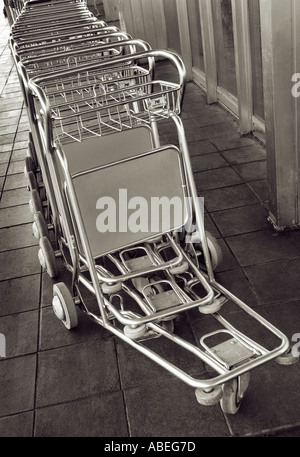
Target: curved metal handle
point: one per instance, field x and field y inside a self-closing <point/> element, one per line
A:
<point x="101" y="48"/>
<point x="103" y="32"/>
<point x="121" y="36"/>
<point x="172" y="56"/>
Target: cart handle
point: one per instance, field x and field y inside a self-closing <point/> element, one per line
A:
<point x="75" y="52"/>
<point x="103" y="32"/>
<point x="172" y="56"/>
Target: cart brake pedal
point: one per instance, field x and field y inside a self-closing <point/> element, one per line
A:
<point x="231" y="352"/>
<point x="138" y="263"/>
<point x="164" y="300"/>
<point x="134" y="260"/>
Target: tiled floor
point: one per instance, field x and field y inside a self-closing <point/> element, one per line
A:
<point x="84" y="382"/>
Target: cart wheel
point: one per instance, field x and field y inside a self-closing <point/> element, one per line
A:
<point x="213" y="307"/>
<point x="29" y="166"/>
<point x="140" y="282"/>
<point x="31" y="150"/>
<point x="209" y="397"/>
<point x="233" y="393"/>
<point x="216" y="254"/>
<point x="39" y="226"/>
<point x="287" y="358"/>
<point x="168" y="325"/>
<point x="135" y="332"/>
<point x="32" y="181"/>
<point x="35" y="203"/>
<point x="111" y="288"/>
<point x="181" y="268"/>
<point x="64" y="306"/>
<point x="47" y="257"/>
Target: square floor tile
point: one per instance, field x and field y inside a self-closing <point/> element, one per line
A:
<point x="286" y="317"/>
<point x="228" y="262"/>
<point x="17" y="426"/>
<point x="263" y="246"/>
<point x="17" y="384"/>
<point x="137" y="369"/>
<point x="210" y="226"/>
<point x="7" y="138"/>
<point x="20" y="262"/>
<point x="16" y="167"/>
<point x="21" y="332"/>
<point x="232" y="141"/>
<point x="282" y="275"/>
<point x="16" y="216"/>
<point x="3" y="169"/>
<point x="241" y="220"/>
<point x="14" y="197"/>
<point x="260" y="188"/>
<point x="19" y="236"/>
<point x="77" y="371"/>
<point x="98" y="416"/>
<point x="20" y="294"/>
<point x="201" y="147"/>
<point x="208" y="162"/>
<point x="210" y="115"/>
<point x="18" y="155"/>
<point x="228" y="197"/>
<point x="252" y="171"/>
<point x="236" y="282"/>
<point x="54" y="334"/>
<point x="214" y="179"/>
<point x="246" y="154"/>
<point x="5" y="157"/>
<point x="171" y="409"/>
<point x="272" y="389"/>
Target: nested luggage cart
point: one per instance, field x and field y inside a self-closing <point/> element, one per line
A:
<point x="87" y="83"/>
<point x="96" y="130"/>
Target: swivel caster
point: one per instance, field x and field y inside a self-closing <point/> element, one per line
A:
<point x="213" y="307"/>
<point x="181" y="268"/>
<point x="109" y="289"/>
<point x="35" y="203"/>
<point x="209" y="397"/>
<point x="168" y="325"/>
<point x="63" y="305"/>
<point x="215" y="251"/>
<point x="287" y="358"/>
<point x="134" y="332"/>
<point x="29" y="166"/>
<point x="39" y="226"/>
<point x="47" y="257"/>
<point x="233" y="393"/>
<point x="32" y="181"/>
<point x="216" y="255"/>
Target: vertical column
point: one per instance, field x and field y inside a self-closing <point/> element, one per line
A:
<point x="241" y="29"/>
<point x="209" y="51"/>
<point x="184" y="34"/>
<point x="280" y="51"/>
<point x="111" y="10"/>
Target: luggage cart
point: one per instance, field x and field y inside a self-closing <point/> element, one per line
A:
<point x="158" y="276"/>
<point x="45" y="212"/>
<point x="81" y="112"/>
<point x="99" y="129"/>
